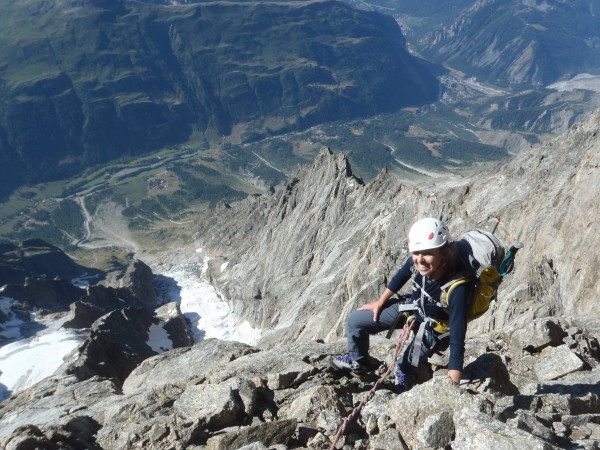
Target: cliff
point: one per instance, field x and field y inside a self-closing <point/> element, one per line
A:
<point x="326" y="242"/>
<point x="299" y="260"/>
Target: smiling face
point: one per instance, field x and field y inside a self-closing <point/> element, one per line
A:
<point x="429" y="263"/>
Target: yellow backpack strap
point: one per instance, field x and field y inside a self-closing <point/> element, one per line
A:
<point x="443" y="326"/>
<point x="447" y="289"/>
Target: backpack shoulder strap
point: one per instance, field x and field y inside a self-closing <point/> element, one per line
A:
<point x="449" y="286"/>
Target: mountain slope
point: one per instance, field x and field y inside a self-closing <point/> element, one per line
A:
<point x="323" y="244"/>
<point x="86" y="82"/>
<point x="302" y="259"/>
<point x="520" y="42"/>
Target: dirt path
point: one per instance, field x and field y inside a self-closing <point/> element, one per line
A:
<point x="86" y="221"/>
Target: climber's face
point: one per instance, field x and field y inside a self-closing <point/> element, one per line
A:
<point x="429" y="263"/>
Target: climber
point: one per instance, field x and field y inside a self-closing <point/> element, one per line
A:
<point x="433" y="263"/>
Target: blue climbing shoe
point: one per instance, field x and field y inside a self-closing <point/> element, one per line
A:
<point x="400" y="382"/>
<point x="347" y="364"/>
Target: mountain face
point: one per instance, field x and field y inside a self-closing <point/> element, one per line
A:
<point x="298" y="261"/>
<point x="520" y="42"/>
<point x="303" y="258"/>
<point x="34" y="258"/>
<point x="84" y="82"/>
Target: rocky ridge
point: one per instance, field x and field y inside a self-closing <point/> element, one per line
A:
<point x="299" y="260"/>
<point x="114" y="316"/>
<point x="327" y="242"/>
<point x="227" y="395"/>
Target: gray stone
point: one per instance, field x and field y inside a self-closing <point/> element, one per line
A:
<point x="52" y="399"/>
<point x="269" y="433"/>
<point x="410" y="411"/>
<point x="329" y="421"/>
<point x="292" y="360"/>
<point x="559" y="428"/>
<point x="437" y="430"/>
<point x="477" y="431"/>
<point x="185" y="365"/>
<point x="556" y="362"/>
<point x="138" y="417"/>
<point x="587" y="444"/>
<point x="27" y="437"/>
<point x="212" y="406"/>
<point x="376" y="411"/>
<point x="578" y="383"/>
<point x="389" y="439"/>
<point x="310" y="404"/>
<point x="290" y="376"/>
<point x="537" y="335"/>
<point x="590" y="420"/>
<point x="319" y="440"/>
<point x="254" y="446"/>
<point x="527" y="421"/>
<point x="247" y="391"/>
<point x="489" y="373"/>
<point x="570" y="404"/>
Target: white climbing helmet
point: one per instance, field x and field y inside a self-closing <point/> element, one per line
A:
<point x="428" y="233"/>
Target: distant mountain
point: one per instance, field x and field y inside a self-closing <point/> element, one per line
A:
<point x="83" y="82"/>
<point x="520" y="42"/>
<point x="417" y="17"/>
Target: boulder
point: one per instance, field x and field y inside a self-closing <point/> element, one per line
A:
<point x="489" y="373"/>
<point x="139" y="419"/>
<point x="268" y="433"/>
<point x="537" y="335"/>
<point x="116" y="346"/>
<point x="54" y="400"/>
<point x="476" y="430"/>
<point x="411" y="411"/>
<point x="317" y="403"/>
<point x="437" y="430"/>
<point x="556" y="362"/>
<point x="187" y="365"/>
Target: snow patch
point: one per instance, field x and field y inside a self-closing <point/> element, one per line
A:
<point x="158" y="338"/>
<point x="210" y="316"/>
<point x="10" y="330"/>
<point x="24" y="363"/>
<point x="85" y="280"/>
<point x="247" y="333"/>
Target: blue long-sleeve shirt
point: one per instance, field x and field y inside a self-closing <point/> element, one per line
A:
<point x="457" y="314"/>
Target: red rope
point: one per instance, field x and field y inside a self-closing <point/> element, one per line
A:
<point x="355" y="412"/>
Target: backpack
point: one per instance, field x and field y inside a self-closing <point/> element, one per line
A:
<point x="482" y="255"/>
